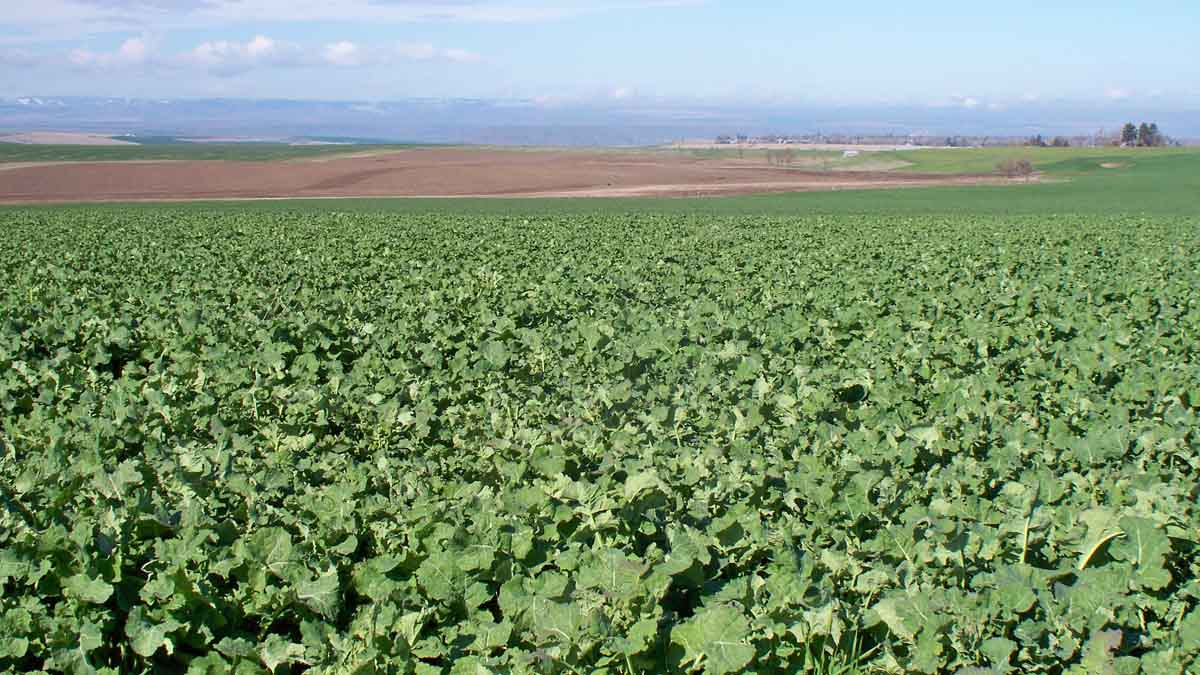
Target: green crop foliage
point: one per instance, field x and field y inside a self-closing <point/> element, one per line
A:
<point x="1050" y="160"/>
<point x="355" y="443"/>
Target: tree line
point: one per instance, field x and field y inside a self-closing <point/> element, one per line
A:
<point x="1142" y="136"/>
<point x="1056" y="142"/>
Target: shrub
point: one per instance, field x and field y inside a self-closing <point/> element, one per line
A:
<point x="1016" y="168"/>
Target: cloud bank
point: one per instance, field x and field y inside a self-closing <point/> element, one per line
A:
<point x="132" y="52"/>
<point x="226" y="58"/>
<point x="74" y="19"/>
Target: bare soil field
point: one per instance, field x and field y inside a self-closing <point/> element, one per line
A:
<point x="442" y="172"/>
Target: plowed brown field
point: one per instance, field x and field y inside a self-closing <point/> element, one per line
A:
<point x="437" y="173"/>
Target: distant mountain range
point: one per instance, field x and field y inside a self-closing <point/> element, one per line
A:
<point x="531" y="122"/>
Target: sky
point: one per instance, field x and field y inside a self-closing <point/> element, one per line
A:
<point x="970" y="55"/>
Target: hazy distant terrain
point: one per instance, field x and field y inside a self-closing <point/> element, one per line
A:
<point x="527" y="122"/>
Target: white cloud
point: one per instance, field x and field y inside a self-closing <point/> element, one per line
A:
<point x="138" y="51"/>
<point x="224" y="57"/>
<point x="82" y="57"/>
<point x="461" y="56"/>
<point x="958" y="101"/>
<point x="427" y="52"/>
<point x="133" y="51"/>
<point x="217" y="54"/>
<point x="344" y="53"/>
<point x="1117" y="94"/>
<point x="622" y="93"/>
<point x="64" y="20"/>
<point x="418" y="52"/>
<point x="261" y="46"/>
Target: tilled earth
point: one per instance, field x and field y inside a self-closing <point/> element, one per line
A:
<point x="437" y="173"/>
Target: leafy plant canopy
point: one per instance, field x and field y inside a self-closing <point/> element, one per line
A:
<point x="646" y="444"/>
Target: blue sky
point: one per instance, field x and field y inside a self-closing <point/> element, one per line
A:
<point x="979" y="56"/>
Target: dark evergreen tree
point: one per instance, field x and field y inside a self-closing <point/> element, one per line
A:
<point x="1143" y="135"/>
<point x="1129" y="134"/>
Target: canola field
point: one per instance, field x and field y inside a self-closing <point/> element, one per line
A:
<point x="359" y="443"/>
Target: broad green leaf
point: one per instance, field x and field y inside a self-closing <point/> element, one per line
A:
<point x="1014" y="588"/>
<point x="496" y="353"/>
<point x="717" y="638"/>
<point x="490" y="636"/>
<point x="470" y="665"/>
<point x="409" y="626"/>
<point x="687" y="547"/>
<point x="1189" y="632"/>
<point x="276" y="651"/>
<point x="348" y="546"/>
<point x="1098" y="654"/>
<point x="1146" y="547"/>
<point x="614" y="574"/>
<point x="13" y="647"/>
<point x="558" y="621"/>
<point x="999" y="652"/>
<point x="322" y="593"/>
<point x="894" y="611"/>
<point x="639" y="638"/>
<point x="147" y="636"/>
<point x="927" y="435"/>
<point x="116" y="485"/>
<point x="237" y="647"/>
<point x="640" y="482"/>
<point x="516" y="602"/>
<point x="927" y="657"/>
<point x="87" y="589"/>
<point x="90" y="637"/>
<point x="1102" y="527"/>
<point x="439" y="575"/>
<point x="371" y="578"/>
<point x="272" y="548"/>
